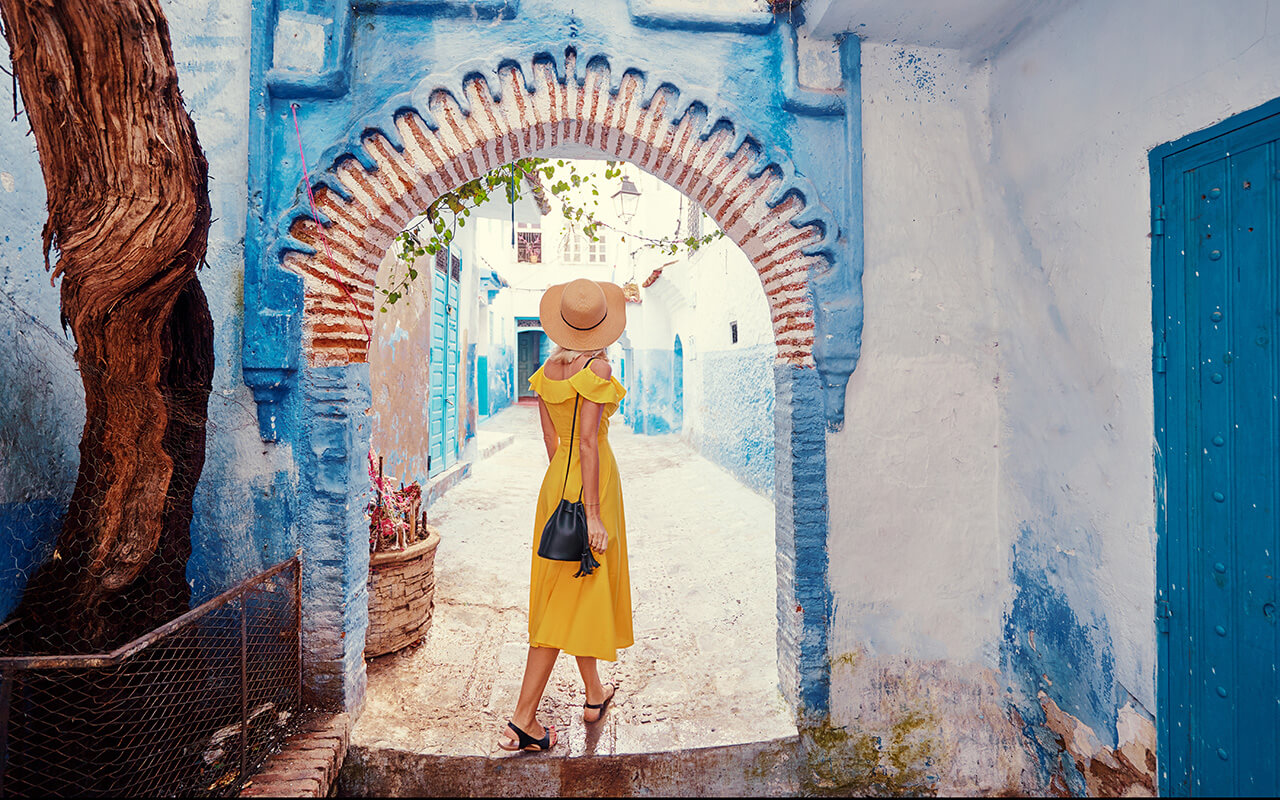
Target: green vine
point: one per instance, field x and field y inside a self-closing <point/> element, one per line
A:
<point x="515" y="180"/>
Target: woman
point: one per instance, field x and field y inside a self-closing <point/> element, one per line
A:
<point x="588" y="617"/>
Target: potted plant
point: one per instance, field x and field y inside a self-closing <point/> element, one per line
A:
<point x="402" y="556"/>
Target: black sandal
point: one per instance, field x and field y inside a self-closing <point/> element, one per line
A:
<point x="527" y="742"/>
<point x="601" y="706"/>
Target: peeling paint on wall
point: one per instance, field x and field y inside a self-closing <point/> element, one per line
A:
<point x="919" y="727"/>
<point x="1086" y="766"/>
<point x="1048" y="646"/>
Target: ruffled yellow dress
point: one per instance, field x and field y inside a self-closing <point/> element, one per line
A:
<point x="588" y="616"/>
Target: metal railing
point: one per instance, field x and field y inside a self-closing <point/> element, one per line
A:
<point x="192" y="708"/>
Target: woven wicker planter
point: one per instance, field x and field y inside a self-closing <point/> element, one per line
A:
<point x="402" y="590"/>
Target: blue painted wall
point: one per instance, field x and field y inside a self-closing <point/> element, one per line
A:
<point x="651" y="395"/>
<point x="39" y="437"/>
<point x="738" y="396"/>
<point x="501" y="382"/>
<point x="735" y="427"/>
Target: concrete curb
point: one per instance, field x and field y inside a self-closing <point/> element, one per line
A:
<point x="496" y="446"/>
<point x="459" y="472"/>
<point x="444" y="482"/>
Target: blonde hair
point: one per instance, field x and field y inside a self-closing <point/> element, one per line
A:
<point x="563" y="355"/>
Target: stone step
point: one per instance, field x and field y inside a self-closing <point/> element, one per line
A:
<point x="307" y="763"/>
<point x="758" y="769"/>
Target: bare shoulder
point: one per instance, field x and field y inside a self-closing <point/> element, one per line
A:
<point x="601" y="367"/>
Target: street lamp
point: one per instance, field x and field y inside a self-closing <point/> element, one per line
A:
<point x="626" y="199"/>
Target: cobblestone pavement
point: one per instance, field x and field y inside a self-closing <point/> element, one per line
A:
<point x="703" y="670"/>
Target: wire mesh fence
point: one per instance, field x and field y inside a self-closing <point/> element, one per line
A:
<point x="192" y="708"/>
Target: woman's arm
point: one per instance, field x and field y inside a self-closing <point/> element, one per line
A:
<point x="549" y="436"/>
<point x="589" y="455"/>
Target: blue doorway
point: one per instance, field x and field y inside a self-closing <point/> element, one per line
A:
<point x="443" y="366"/>
<point x="531" y="350"/>
<point x="1216" y="305"/>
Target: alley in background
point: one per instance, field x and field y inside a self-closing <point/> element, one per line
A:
<point x="703" y="670"/>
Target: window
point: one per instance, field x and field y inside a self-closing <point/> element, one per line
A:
<point x="733" y="332"/>
<point x="528" y="243"/>
<point x="596" y="249"/>
<point x="578" y="249"/>
<point x="571" y="248"/>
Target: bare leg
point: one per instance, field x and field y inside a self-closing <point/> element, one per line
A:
<point x="596" y="691"/>
<point x="537" y="671"/>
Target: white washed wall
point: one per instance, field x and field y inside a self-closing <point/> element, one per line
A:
<point x="1076" y="107"/>
<point x="1000" y="426"/>
<point x="913" y="473"/>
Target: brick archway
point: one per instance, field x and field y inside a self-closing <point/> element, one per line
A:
<point x="306" y="347"/>
<point x="724" y="170"/>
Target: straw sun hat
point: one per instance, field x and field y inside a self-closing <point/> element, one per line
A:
<point x="583" y="314"/>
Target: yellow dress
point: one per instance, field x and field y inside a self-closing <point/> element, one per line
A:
<point x="588" y="616"/>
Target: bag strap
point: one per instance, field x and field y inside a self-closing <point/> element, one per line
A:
<point x="573" y="429"/>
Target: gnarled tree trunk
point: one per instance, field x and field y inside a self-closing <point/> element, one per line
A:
<point x="128" y="204"/>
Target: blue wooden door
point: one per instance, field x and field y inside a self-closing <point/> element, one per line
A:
<point x="528" y="352"/>
<point x="1216" y="264"/>
<point x="437" y="403"/>
<point x="443" y="370"/>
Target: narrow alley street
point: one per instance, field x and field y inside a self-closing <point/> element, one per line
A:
<point x="703" y="670"/>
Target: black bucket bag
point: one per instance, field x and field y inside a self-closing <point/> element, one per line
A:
<point x="564" y="537"/>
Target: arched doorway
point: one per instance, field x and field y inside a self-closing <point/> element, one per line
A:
<point x="305" y="343"/>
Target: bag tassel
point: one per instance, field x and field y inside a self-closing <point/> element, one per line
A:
<point x="589" y="563"/>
